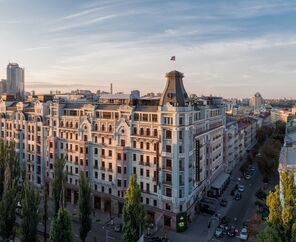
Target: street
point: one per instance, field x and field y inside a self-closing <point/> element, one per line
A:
<point x="198" y="231"/>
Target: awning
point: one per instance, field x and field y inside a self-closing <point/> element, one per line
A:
<point x="220" y="180"/>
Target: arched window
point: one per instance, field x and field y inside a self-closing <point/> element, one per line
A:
<point x="110" y="128"/>
<point x="103" y="127"/>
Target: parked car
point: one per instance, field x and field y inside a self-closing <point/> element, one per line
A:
<point x="244" y="234"/>
<point x="252" y="168"/>
<point x="223" y="203"/>
<point x="264" y="214"/>
<point x="219" y="232"/>
<point x="232" y="192"/>
<point x="241" y="188"/>
<point x="237" y="196"/>
<point x="248" y="176"/>
<point x="225" y="228"/>
<point x="265" y="180"/>
<point x="231" y="231"/>
<point x="118" y="228"/>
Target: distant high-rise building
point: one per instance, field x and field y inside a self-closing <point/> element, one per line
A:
<point x="256" y="101"/>
<point x="15" y="80"/>
<point x="3" y="86"/>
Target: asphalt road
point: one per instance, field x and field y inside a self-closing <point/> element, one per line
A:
<point x="242" y="209"/>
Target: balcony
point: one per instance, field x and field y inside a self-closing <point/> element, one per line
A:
<point x="103" y="168"/>
<point x="166" y="182"/>
<point x="168" y="168"/>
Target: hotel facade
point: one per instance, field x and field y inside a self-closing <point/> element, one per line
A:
<point x="174" y="147"/>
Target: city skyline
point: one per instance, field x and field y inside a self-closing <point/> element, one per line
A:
<point x="225" y="48"/>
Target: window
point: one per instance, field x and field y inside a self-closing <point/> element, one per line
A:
<point x="141" y="172"/>
<point x="147" y="173"/>
<point x="168" y="148"/>
<point x="134" y="157"/>
<point x="119" y="183"/>
<point x="124" y="170"/>
<point x="181" y="121"/>
<point x="141" y="145"/>
<point x="118" y="156"/>
<point x="147" y="146"/>
<point x="168" y="192"/>
<point x="96" y="151"/>
<point x="135" y="130"/>
<point x="134" y="170"/>
<point x="122" y="142"/>
<point x="168" y="163"/>
<point x="155" y="203"/>
<point x="119" y="169"/>
<point x="155" y="132"/>
<point x="134" y="144"/>
<point x="147" y="201"/>
<point x="148" y="132"/>
<point x="110" y="178"/>
<point x="168" y="134"/>
<point x="110" y="153"/>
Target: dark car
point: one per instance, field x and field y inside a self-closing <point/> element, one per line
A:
<point x="231" y="231"/>
<point x="265" y="180"/>
<point x="264" y="214"/>
<point x="118" y="228"/>
<point x="238" y="196"/>
<point x="223" y="203"/>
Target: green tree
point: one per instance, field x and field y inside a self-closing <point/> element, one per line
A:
<point x="289" y="201"/>
<point x="11" y="176"/>
<point x="84" y="201"/>
<point x="282" y="212"/>
<point x="133" y="212"/>
<point x="30" y="213"/>
<point x="3" y="154"/>
<point x="58" y="183"/>
<point x="45" y="210"/>
<point x="61" y="228"/>
<point x="293" y="239"/>
<point x="7" y="213"/>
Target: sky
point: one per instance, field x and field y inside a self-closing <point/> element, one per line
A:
<point x="230" y="48"/>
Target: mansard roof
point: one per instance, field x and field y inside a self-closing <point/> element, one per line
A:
<point x="174" y="92"/>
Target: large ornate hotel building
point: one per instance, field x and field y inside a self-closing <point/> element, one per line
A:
<point x="173" y="146"/>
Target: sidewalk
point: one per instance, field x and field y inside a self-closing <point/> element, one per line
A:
<point x="198" y="230"/>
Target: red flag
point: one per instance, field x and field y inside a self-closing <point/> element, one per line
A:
<point x="173" y="58"/>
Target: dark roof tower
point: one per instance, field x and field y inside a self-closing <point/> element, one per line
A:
<point x="174" y="92"/>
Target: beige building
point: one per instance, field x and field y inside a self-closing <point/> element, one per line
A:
<point x="174" y="147"/>
<point x="256" y="102"/>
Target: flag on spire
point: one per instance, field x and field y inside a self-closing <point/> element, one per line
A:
<point x="173" y="58"/>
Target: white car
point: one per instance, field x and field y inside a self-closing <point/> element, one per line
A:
<point x="244" y="234"/>
<point x="219" y="232"/>
<point x="241" y="188"/>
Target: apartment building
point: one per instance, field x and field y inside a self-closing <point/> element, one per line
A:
<point x="231" y="152"/>
<point x="287" y="159"/>
<point x="174" y="147"/>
